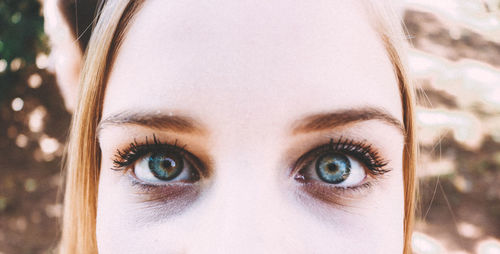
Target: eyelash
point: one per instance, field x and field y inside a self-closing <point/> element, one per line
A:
<point x="359" y="150"/>
<point x="127" y="157"/>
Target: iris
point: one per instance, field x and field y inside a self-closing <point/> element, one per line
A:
<point x="333" y="167"/>
<point x="165" y="166"/>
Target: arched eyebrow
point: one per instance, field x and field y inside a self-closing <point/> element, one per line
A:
<point x="176" y="123"/>
<point x="310" y="123"/>
<point x="335" y="119"/>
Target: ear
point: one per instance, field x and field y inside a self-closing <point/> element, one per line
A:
<point x="66" y="54"/>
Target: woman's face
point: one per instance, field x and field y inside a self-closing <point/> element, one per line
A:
<point x="251" y="127"/>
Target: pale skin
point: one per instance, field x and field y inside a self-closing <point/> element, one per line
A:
<point x="245" y="77"/>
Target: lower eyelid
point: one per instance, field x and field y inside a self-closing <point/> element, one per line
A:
<point x="159" y="203"/>
<point x="149" y="186"/>
<point x="165" y="193"/>
<point x="338" y="195"/>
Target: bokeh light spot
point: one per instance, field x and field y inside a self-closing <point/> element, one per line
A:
<point x="16" y="64"/>
<point x="30" y="185"/>
<point x="3" y="65"/>
<point x="424" y="244"/>
<point x="49" y="145"/>
<point x="468" y="230"/>
<point x="22" y="141"/>
<point x="17" y="104"/>
<point x="53" y="211"/>
<point x="3" y="203"/>
<point x="36" y="117"/>
<point x="42" y="61"/>
<point x="35" y="81"/>
<point x="490" y="246"/>
<point x="16" y="18"/>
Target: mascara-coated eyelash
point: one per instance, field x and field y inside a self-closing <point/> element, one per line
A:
<point x="128" y="156"/>
<point x="334" y="163"/>
<point x="363" y="152"/>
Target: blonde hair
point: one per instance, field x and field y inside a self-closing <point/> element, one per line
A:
<point x="83" y="154"/>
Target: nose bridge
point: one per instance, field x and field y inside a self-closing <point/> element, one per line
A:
<point x="243" y="197"/>
<point x="245" y="211"/>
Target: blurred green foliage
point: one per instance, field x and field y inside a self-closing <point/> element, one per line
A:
<point x="21" y="37"/>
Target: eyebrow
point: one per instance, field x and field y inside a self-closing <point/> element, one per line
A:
<point x="310" y="123"/>
<point x="177" y="123"/>
<point x="335" y="119"/>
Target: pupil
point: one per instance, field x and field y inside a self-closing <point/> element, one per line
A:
<point x="168" y="164"/>
<point x="165" y="166"/>
<point x="333" y="167"/>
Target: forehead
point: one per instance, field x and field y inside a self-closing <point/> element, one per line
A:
<point x="251" y="60"/>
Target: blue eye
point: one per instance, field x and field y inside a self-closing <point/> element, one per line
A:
<point x="159" y="163"/>
<point x="344" y="164"/>
<point x="165" y="166"/>
<point x="333" y="167"/>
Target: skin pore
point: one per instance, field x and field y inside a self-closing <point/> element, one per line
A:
<point x="247" y="96"/>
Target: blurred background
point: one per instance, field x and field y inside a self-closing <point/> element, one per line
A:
<point x="456" y="60"/>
